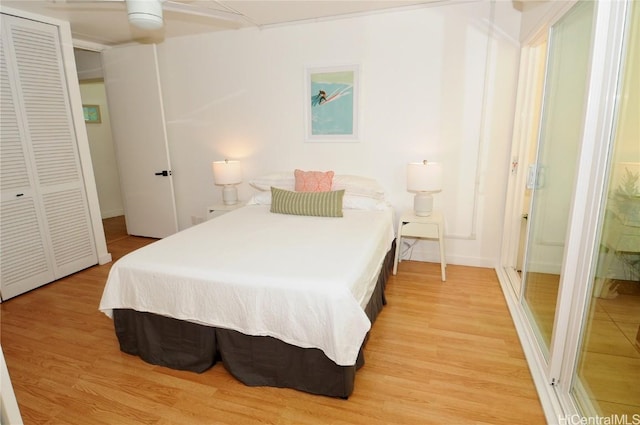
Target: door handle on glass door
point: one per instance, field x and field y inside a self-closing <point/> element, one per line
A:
<point x="535" y="177"/>
<point x="164" y="173"/>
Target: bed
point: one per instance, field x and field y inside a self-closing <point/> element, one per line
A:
<point x="281" y="299"/>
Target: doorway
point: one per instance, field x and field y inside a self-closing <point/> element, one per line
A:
<point x="101" y="144"/>
<point x="129" y="76"/>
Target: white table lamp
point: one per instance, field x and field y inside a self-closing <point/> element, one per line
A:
<point x="424" y="178"/>
<point x="228" y="174"/>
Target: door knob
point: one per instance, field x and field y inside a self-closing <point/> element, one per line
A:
<point x="164" y="173"/>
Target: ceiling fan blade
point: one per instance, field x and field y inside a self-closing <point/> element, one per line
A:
<point x="72" y="2"/>
<point x="207" y="12"/>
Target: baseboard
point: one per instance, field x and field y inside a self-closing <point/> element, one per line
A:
<point x="111" y="213"/>
<point x="104" y="259"/>
<point x="434" y="257"/>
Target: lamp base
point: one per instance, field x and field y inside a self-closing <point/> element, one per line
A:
<point x="229" y="195"/>
<point x="423" y="204"/>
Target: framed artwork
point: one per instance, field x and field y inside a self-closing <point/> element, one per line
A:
<point x="332" y="104"/>
<point x="91" y="113"/>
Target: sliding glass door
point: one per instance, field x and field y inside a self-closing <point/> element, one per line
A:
<point x="607" y="380"/>
<point x="551" y="179"/>
<point x="572" y="277"/>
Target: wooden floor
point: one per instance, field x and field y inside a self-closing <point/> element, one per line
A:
<point x="439" y="353"/>
<point x="609" y="363"/>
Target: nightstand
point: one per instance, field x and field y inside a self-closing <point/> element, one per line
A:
<point x="413" y="226"/>
<point x="218" y="209"/>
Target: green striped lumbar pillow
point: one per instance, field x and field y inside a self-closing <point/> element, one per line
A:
<point x="319" y="204"/>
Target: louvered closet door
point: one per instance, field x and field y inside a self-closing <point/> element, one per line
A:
<point x="24" y="260"/>
<point x="34" y="60"/>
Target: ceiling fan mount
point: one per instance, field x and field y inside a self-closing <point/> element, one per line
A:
<point x="148" y="14"/>
<point x="145" y="14"/>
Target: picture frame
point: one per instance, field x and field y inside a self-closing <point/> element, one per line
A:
<point x="92" y="114"/>
<point x="331" y="103"/>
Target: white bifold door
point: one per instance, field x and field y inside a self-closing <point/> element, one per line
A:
<point x="45" y="227"/>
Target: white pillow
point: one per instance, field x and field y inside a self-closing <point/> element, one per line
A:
<point x="353" y="185"/>
<point x="357" y="185"/>
<point x="350" y="202"/>
<point x="282" y="180"/>
<point x="260" y="198"/>
<point x="355" y="202"/>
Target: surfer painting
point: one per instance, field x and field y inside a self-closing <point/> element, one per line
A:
<point x="332" y="102"/>
<point x="319" y="98"/>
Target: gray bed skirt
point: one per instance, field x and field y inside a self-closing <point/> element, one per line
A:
<point x="253" y="360"/>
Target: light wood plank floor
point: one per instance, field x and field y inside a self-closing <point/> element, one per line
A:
<point x="439" y="353"/>
<point x="609" y="364"/>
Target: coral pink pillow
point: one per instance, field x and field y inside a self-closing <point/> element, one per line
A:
<point x="313" y="181"/>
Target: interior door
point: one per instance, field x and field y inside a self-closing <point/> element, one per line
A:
<point x="552" y="177"/>
<point x="25" y="261"/>
<point x="45" y="227"/>
<point x="134" y="97"/>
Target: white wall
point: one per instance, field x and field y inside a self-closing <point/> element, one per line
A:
<point x="427" y="92"/>
<point x="102" y="150"/>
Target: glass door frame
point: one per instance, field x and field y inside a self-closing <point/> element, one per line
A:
<point x="554" y="378"/>
<point x="611" y="26"/>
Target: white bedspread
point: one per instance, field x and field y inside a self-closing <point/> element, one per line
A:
<point x="303" y="280"/>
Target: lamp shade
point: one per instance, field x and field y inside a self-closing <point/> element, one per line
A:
<point x="227" y="172"/>
<point x="424" y="177"/>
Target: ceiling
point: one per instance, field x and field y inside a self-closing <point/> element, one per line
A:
<point x="105" y="21"/>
